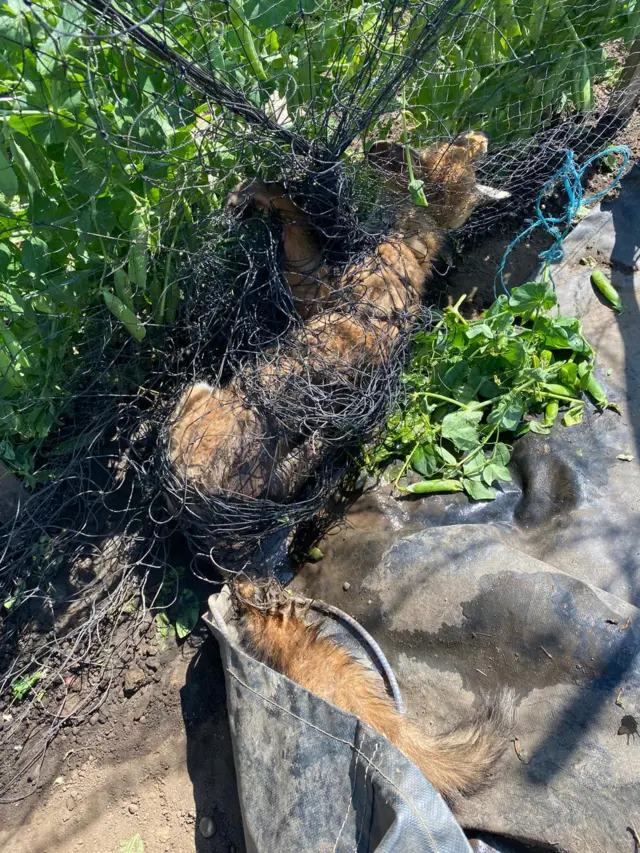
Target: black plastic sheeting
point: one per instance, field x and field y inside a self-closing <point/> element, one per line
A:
<point x="538" y="590"/>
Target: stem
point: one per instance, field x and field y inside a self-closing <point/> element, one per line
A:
<point x="452" y="310"/>
<point x="405" y="138"/>
<point x="405" y="465"/>
<point x="477" y="449"/>
<point x="564" y="399"/>
<point x="446" y="399"/>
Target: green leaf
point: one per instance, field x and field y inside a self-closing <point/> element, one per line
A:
<point x="163" y="624"/>
<point x="461" y="428"/>
<point x="5" y="260"/>
<point x="531" y="296"/>
<point x="508" y="412"/>
<point x="475" y="464"/>
<point x="573" y="416"/>
<point x="188" y="613"/>
<point x="494" y="471"/>
<point x="424" y="461"/>
<point x="132" y="845"/>
<point x="35" y="255"/>
<point x="22" y="685"/>
<point x="563" y="333"/>
<point x="501" y="454"/>
<point x="8" y="179"/>
<point x="477" y="490"/>
<point x="539" y="427"/>
<point x="498" y="317"/>
<point x="569" y="375"/>
<point x="447" y="457"/>
<point x="480" y="329"/>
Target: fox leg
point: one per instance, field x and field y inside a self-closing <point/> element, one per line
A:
<point x="303" y="268"/>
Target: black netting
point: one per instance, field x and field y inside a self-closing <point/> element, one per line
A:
<point x="124" y="130"/>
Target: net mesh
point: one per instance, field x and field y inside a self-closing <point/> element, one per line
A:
<point x="124" y="130"/>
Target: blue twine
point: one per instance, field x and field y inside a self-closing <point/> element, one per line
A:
<point x="571" y="177"/>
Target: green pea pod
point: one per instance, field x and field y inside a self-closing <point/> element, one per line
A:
<point x="123" y="288"/>
<point x="430" y="487"/>
<point x="584" y="89"/>
<point x="8" y="179"/>
<point x="417" y="193"/>
<point x="599" y="280"/>
<point x="554" y="388"/>
<point x="245" y="37"/>
<point x="15" y="350"/>
<point x="551" y="413"/>
<point x="596" y="391"/>
<point x="138" y="253"/>
<point x="21" y="160"/>
<point x="172" y="302"/>
<point x="126" y="316"/>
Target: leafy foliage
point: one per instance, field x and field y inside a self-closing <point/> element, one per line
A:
<point x="474" y="386"/>
<point x="22" y="685"/>
<point x="107" y="156"/>
<point x="135" y="844"/>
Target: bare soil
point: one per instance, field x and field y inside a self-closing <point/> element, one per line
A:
<point x="156" y="763"/>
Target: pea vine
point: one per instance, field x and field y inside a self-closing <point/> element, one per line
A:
<point x="473" y="386"/>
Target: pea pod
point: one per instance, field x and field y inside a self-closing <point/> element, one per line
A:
<point x="596" y="391"/>
<point x="561" y="390"/>
<point x="8" y="179"/>
<point x="430" y="487"/>
<point x="123" y="288"/>
<point x="126" y="316"/>
<point x="584" y="88"/>
<point x="599" y="280"/>
<point x="551" y="412"/>
<point x="172" y="303"/>
<point x="138" y="253"/>
<point x="245" y="37"/>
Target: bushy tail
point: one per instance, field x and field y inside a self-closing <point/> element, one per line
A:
<point x="462" y="761"/>
<point x="457" y="763"/>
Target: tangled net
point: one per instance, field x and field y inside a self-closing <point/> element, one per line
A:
<point x="129" y="125"/>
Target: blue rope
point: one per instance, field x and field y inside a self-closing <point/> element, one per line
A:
<point x="559" y="226"/>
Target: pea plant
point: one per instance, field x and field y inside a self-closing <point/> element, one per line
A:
<point x="108" y="158"/>
<point x="473" y="386"/>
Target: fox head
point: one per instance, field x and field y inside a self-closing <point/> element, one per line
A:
<point x="448" y="172"/>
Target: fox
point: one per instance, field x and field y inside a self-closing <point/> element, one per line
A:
<point x="458" y="763"/>
<point x="220" y="442"/>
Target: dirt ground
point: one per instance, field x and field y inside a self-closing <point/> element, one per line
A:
<point x="156" y="763"/>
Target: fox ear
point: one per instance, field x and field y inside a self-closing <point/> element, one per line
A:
<point x="475" y="142"/>
<point x="467" y="149"/>
<point x="391" y="158"/>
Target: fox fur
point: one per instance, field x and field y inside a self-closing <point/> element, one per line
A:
<point x="458" y="763"/>
<point x="218" y="442"/>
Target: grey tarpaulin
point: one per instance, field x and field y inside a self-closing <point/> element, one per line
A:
<point x="538" y="590"/>
<point x="313" y="779"/>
